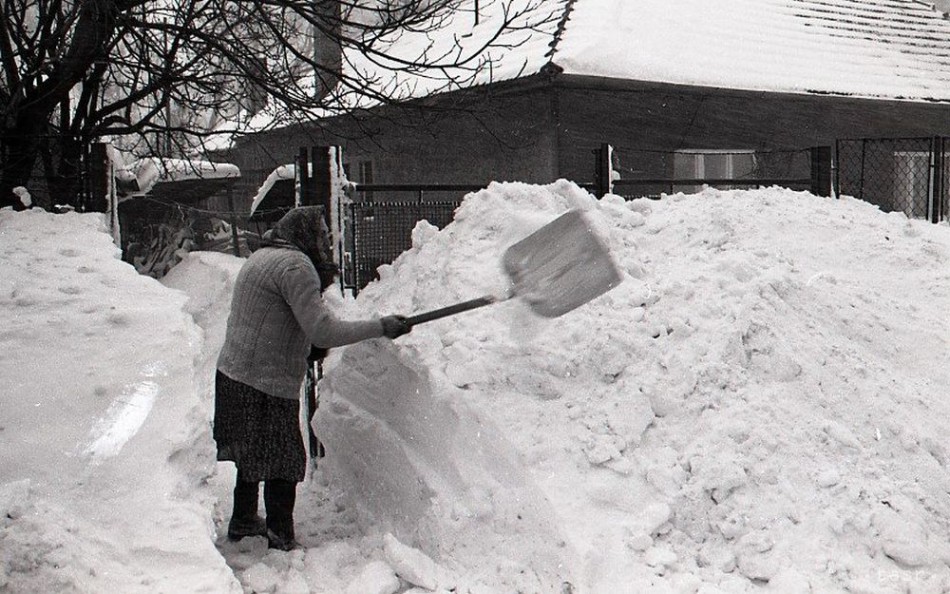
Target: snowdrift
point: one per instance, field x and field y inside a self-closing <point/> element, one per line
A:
<point x="104" y="436"/>
<point x="762" y="401"/>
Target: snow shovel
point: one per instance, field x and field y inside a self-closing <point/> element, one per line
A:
<point x="559" y="267"/>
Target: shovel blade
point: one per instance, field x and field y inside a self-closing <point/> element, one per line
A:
<point x="561" y="266"/>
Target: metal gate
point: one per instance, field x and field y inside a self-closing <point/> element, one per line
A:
<point x="378" y="232"/>
<point x="908" y="175"/>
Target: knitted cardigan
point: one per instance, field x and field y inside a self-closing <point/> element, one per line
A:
<point x="277" y="312"/>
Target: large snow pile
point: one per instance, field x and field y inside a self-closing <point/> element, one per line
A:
<point x="763" y="400"/>
<point x="760" y="405"/>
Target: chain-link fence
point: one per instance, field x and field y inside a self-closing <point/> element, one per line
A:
<point x="378" y="232"/>
<point x="906" y="175"/>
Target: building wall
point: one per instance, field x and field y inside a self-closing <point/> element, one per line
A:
<point x="544" y="131"/>
<point x="644" y="121"/>
<point x="507" y="138"/>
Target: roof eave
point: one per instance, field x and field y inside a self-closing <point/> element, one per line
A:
<point x="568" y="80"/>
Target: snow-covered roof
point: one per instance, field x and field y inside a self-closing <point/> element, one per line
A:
<point x="281" y="173"/>
<point x="894" y="49"/>
<point x="884" y="49"/>
<point x="145" y="176"/>
<point x="877" y="48"/>
<point x="153" y="170"/>
<point x="279" y="191"/>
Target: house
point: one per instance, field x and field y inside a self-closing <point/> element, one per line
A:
<point x="680" y="89"/>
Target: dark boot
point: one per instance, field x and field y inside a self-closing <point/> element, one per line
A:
<point x="279" y="499"/>
<point x="244" y="518"/>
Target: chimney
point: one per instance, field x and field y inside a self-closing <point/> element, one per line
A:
<point x="327" y="51"/>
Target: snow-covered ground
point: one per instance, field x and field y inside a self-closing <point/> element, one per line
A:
<point x="761" y="405"/>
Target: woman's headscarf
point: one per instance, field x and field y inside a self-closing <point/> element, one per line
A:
<point x="305" y="229"/>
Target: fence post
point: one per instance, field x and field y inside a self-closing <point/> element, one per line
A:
<point x="322" y="172"/>
<point x="864" y="154"/>
<point x="336" y="197"/>
<point x="603" y="179"/>
<point x="99" y="171"/>
<point x="235" y="240"/>
<point x="820" y="170"/>
<point x="937" y="189"/>
<point x="945" y="182"/>
<point x="302" y="183"/>
<point x="316" y="170"/>
<point x="316" y="179"/>
<point x="836" y="170"/>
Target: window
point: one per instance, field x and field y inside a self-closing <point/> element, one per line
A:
<point x="361" y="172"/>
<point x="703" y="164"/>
<point x="364" y="175"/>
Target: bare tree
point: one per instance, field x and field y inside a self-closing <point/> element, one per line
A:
<point x="169" y="75"/>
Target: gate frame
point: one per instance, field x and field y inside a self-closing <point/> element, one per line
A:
<point x="937" y="183"/>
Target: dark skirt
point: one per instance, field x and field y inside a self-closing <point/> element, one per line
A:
<point x="260" y="433"/>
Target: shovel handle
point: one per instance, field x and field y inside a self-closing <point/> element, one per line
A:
<point x="450" y="310"/>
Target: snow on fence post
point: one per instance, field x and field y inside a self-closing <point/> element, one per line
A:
<point x="114" y="203"/>
<point x="113" y="163"/>
<point x="337" y="199"/>
<point x="820" y="170"/>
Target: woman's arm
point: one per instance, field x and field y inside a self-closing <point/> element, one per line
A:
<point x="300" y="286"/>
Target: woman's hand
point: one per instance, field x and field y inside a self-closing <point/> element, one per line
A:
<point x="395" y="326"/>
